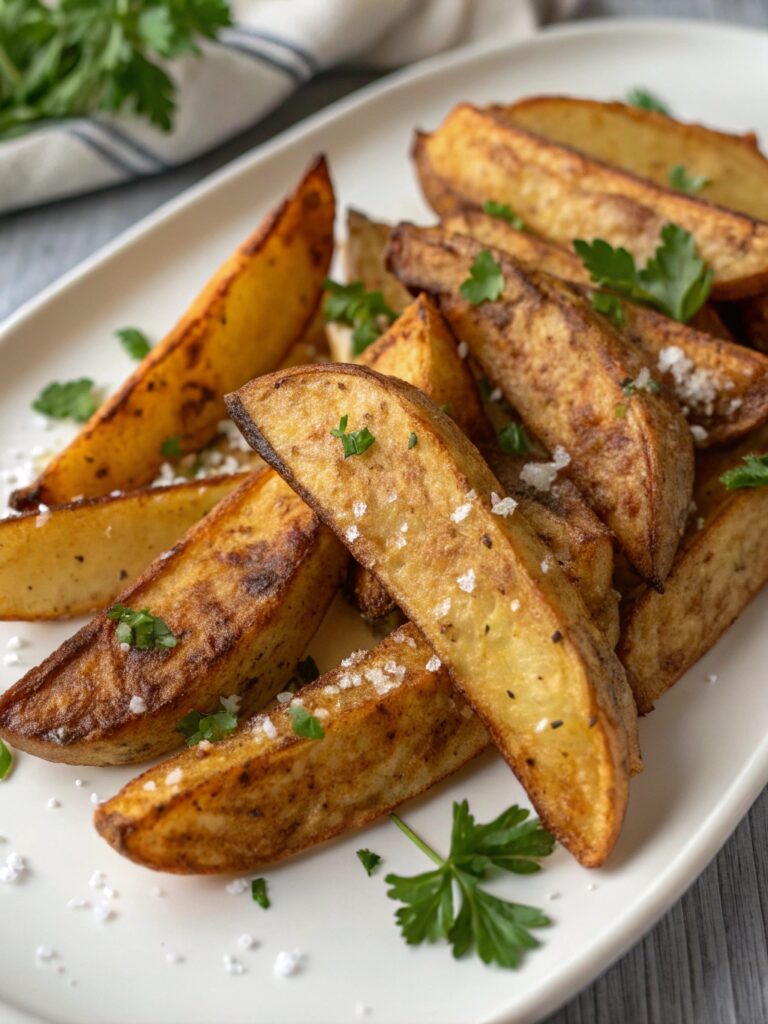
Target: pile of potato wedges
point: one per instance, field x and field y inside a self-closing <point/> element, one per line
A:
<point x="521" y="482"/>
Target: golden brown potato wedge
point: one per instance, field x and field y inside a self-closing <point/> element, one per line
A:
<point x="479" y="584"/>
<point x="750" y="320"/>
<point x="562" y="194"/>
<point x="721" y="565"/>
<point x="393" y="728"/>
<point x="563" y="366"/>
<point x="364" y="259"/>
<point x="724" y="386"/>
<point x="243" y="591"/>
<point x="76" y="558"/>
<point x="650" y="145"/>
<point x="243" y="323"/>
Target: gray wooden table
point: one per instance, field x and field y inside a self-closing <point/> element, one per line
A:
<point x="706" y="962"/>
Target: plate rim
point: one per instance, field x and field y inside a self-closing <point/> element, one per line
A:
<point x="717" y="827"/>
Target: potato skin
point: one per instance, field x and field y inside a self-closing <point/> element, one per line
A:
<point x="562" y="194"/>
<point x="562" y="366"/>
<point x="577" y="774"/>
<point x="244" y="592"/>
<point x="721" y="565"/>
<point x="252" y="801"/>
<point x="244" y="322"/>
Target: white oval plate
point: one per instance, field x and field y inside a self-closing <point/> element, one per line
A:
<point x="706" y="747"/>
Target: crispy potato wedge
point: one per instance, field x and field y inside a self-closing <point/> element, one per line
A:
<point x="562" y="194"/>
<point x="726" y="388"/>
<point x="482" y="587"/>
<point x="722" y="563"/>
<point x="562" y="366"/>
<point x="364" y="259"/>
<point x="650" y="145"/>
<point x="76" y="558"/>
<point x="243" y="591"/>
<point x="392" y="730"/>
<point x="243" y="323"/>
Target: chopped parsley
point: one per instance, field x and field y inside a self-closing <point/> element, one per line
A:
<point x="366" y="312"/>
<point x="610" y="306"/>
<point x="171" y="447"/>
<point x="754" y="473"/>
<point x="72" y="400"/>
<point x="141" y="629"/>
<point x="412" y="441"/>
<point x="485" y="281"/>
<point x="6" y="762"/>
<point x="356" y="441"/>
<point x="369" y="860"/>
<point x="305" y="724"/>
<point x="679" y="178"/>
<point x="675" y="281"/>
<point x="497" y="929"/>
<point x="645" y="100"/>
<point x="513" y="439"/>
<point x="504" y="212"/>
<point x="134" y="341"/>
<point x="307" y="669"/>
<point x="214" y="727"/>
<point x="642" y="382"/>
<point x="259" y="893"/>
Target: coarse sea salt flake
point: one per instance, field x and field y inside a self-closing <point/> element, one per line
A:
<point x="174" y="777"/>
<point x="541" y="725"/>
<point x="460" y="514"/>
<point x="232" y="703"/>
<point x="13" y="868"/>
<point x="236" y="886"/>
<point x="514" y="604"/>
<point x="463" y="349"/>
<point x="466" y="581"/>
<point x="150" y="786"/>
<point x="352" y="533"/>
<point x="359" y="509"/>
<point x="442" y="609"/>
<point x="287" y="963"/>
<point x="285" y="697"/>
<point x="433" y="664"/>
<point x="502" y="506"/>
<point x="137" y="705"/>
<point x="269" y="727"/>
<point x="14" y="643"/>
<point x="232" y="965"/>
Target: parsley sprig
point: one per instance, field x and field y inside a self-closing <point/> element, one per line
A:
<point x="134" y="341"/>
<point x="646" y="100"/>
<point x="305" y="724"/>
<point x="675" y="281"/>
<point x="503" y="211"/>
<point x="513" y="439"/>
<point x="141" y="629"/>
<point x="485" y="281"/>
<point x="679" y="178"/>
<point x="369" y="860"/>
<point x="196" y="727"/>
<point x="259" y="893"/>
<point x="72" y="400"/>
<point x="497" y="929"/>
<point x="754" y="473"/>
<point x="610" y="306"/>
<point x="356" y="441"/>
<point x="6" y="762"/>
<point x="366" y="312"/>
<point x="77" y="57"/>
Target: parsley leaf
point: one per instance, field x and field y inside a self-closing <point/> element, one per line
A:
<point x="369" y="860"/>
<point x="307" y="669"/>
<point x="643" y="382"/>
<point x="6" y="762"/>
<point x="504" y="212"/>
<point x="485" y="281"/>
<point x="645" y="100"/>
<point x="76" y="57"/>
<point x="675" y="280"/>
<point x="754" y="473"/>
<point x="259" y="893"/>
<point x="498" y="930"/>
<point x="135" y="343"/>
<point x="366" y="312"/>
<point x="196" y="727"/>
<point x="513" y="439"/>
<point x="355" y="442"/>
<point x="610" y="306"/>
<point x="171" y="447"/>
<point x="73" y="400"/>
<point x="141" y="629"/>
<point x="413" y="440"/>
<point x="305" y="724"/>
<point x="678" y="178"/>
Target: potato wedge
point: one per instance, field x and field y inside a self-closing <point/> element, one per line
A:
<point x="562" y="366"/>
<point x="364" y="259"/>
<point x="750" y="320"/>
<point x="721" y="565"/>
<point x="723" y="385"/>
<point x="650" y="145"/>
<point x="245" y="320"/>
<point x="482" y="587"/>
<point x="562" y="194"/>
<point x="253" y="800"/>
<point x="76" y="558"/>
<point x="244" y="592"/>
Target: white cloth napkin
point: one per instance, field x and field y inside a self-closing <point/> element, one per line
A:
<point x="274" y="47"/>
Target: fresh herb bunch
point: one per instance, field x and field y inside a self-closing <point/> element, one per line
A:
<point x="366" y="312"/>
<point x="77" y="57"/>
<point x="496" y="928"/>
<point x="675" y="281"/>
<point x="141" y="629"/>
<point x="753" y="473"/>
